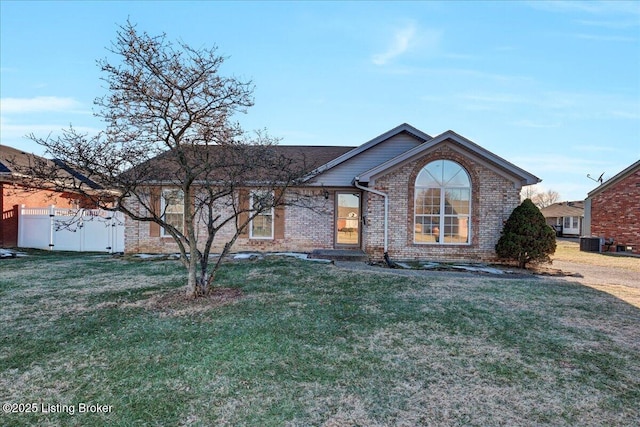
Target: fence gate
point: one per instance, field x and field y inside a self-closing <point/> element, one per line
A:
<point x="81" y="230"/>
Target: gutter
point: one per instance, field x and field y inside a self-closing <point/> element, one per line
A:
<point x="356" y="183"/>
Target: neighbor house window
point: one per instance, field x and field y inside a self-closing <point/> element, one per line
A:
<point x="261" y="226"/>
<point x="172" y="205"/>
<point x="442" y="204"/>
<point x="571" y="222"/>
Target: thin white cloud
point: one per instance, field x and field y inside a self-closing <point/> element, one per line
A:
<point x="38" y="104"/>
<point x="618" y="24"/>
<point x="461" y="56"/>
<point x="402" y="40"/>
<point x="620" y="114"/>
<point x="535" y="124"/>
<point x="501" y="98"/>
<point x="556" y="163"/>
<point x="412" y="39"/>
<point x="605" y="38"/>
<point x="15" y="131"/>
<point x="596" y="148"/>
<point x="505" y="48"/>
<point x="511" y="79"/>
<point x="557" y="105"/>
<point x="570" y="184"/>
<point x="590" y="7"/>
<point x="484" y="101"/>
<point x="568" y="191"/>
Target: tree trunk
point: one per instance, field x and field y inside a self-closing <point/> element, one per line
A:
<point x="199" y="280"/>
<point x="192" y="281"/>
<point x="522" y="263"/>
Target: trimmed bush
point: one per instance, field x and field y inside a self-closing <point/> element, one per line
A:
<point x="526" y="237"/>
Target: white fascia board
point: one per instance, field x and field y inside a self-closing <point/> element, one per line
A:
<point x="488" y="158"/>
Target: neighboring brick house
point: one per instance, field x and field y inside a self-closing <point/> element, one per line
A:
<point x="17" y="189"/>
<point x="404" y="192"/>
<point x="565" y="217"/>
<point x="612" y="211"/>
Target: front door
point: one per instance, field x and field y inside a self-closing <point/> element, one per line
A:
<point x="348" y="219"/>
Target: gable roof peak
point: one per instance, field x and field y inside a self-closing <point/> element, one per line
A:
<point x="402" y="128"/>
<point x="634" y="167"/>
<point x="523" y="176"/>
<point x="406" y="127"/>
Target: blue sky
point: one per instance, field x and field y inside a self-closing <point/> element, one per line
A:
<point x="553" y="87"/>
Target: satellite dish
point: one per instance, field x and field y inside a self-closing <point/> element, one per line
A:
<point x="596" y="180"/>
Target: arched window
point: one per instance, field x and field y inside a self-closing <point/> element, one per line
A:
<point x="442" y="204"/>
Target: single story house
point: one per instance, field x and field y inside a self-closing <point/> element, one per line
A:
<point x="17" y="188"/>
<point x="565" y="217"/>
<point x="405" y="193"/>
<point x="612" y="211"/>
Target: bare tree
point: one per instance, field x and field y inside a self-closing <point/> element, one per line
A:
<point x="168" y="125"/>
<point x="539" y="197"/>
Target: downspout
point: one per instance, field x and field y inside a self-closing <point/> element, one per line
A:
<point x="356" y="183"/>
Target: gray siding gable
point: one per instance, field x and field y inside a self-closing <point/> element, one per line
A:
<point x="341" y="171"/>
<point x="344" y="173"/>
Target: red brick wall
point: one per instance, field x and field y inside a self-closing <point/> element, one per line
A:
<point x="12" y="195"/>
<point x="305" y="229"/>
<point x="32" y="198"/>
<point x="615" y="212"/>
<point x="9" y="228"/>
<point x="493" y="198"/>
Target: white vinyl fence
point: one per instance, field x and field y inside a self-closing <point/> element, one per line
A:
<point x="81" y="230"/>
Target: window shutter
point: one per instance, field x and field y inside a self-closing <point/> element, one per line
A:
<point x="154" y="228"/>
<point x="278" y="222"/>
<point x="243" y="205"/>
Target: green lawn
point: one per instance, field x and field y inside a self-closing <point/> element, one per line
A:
<point x="309" y="344"/>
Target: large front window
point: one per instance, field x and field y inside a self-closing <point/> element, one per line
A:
<point x="442" y="204"/>
<point x="261" y="226"/>
<point x="173" y="209"/>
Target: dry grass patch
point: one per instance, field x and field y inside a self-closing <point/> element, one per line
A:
<point x="283" y="342"/>
<point x="570" y="251"/>
<point x="177" y="303"/>
<point x="45" y="287"/>
<point x="614" y="274"/>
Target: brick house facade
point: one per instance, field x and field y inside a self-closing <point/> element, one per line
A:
<point x="492" y="199"/>
<point x="612" y="211"/>
<point x="295" y="229"/>
<point x="349" y="192"/>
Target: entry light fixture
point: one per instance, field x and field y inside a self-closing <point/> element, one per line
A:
<point x="325" y="192"/>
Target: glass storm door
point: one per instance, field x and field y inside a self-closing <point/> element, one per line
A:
<point x="348" y="219"/>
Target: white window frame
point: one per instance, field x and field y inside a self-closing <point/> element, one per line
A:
<point x="163" y="207"/>
<point x="442" y="216"/>
<point x="270" y="212"/>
